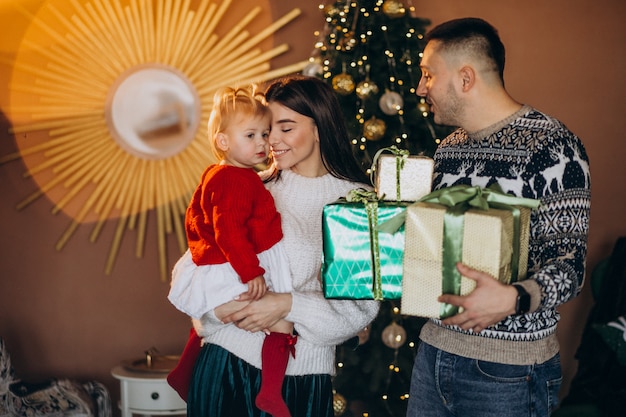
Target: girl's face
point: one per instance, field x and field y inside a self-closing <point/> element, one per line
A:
<point x="244" y="141"/>
<point x="294" y="142"/>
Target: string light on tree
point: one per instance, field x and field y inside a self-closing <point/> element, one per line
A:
<point x="423" y="107"/>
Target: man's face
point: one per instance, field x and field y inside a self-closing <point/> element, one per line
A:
<point x="437" y="87"/>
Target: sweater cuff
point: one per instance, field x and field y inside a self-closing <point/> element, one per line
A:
<point x="532" y="288"/>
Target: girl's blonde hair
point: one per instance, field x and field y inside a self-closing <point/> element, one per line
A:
<point x="229" y="102"/>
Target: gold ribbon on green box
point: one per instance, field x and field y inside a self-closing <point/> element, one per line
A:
<point x="359" y="262"/>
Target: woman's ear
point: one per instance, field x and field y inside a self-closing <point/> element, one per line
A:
<point x="221" y="140"/>
<point x="316" y="133"/>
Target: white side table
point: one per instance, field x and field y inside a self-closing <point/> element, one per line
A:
<point x="147" y="393"/>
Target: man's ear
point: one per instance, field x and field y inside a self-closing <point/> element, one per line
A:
<point x="468" y="78"/>
<point x="221" y="140"/>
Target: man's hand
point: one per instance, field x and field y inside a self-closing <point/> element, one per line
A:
<point x="490" y="302"/>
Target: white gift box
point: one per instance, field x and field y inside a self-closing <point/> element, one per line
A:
<point x="416" y="173"/>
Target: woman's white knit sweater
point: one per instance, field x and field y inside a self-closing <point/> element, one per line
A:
<point x="321" y="324"/>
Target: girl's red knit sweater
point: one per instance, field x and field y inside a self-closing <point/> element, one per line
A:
<point x="231" y="218"/>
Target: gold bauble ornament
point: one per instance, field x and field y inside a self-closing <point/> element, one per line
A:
<point x="374" y="129"/>
<point x="394" y="335"/>
<point x="366" y="89"/>
<point x="393" y="9"/>
<point x="423" y="107"/>
<point x="340" y="404"/>
<point x="343" y="84"/>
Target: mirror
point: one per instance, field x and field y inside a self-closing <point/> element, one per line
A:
<point x="153" y="111"/>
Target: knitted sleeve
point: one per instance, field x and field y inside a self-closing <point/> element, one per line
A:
<point x="558" y="174"/>
<point x="321" y="321"/>
<point x="231" y="200"/>
<point x="329" y="322"/>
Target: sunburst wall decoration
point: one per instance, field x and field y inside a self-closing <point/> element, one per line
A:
<point x="123" y="90"/>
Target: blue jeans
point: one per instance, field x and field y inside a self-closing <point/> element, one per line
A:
<point x="443" y="384"/>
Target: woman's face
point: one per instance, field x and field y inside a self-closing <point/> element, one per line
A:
<point x="294" y="142"/>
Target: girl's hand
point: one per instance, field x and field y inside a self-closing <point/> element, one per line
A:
<point x="256" y="289"/>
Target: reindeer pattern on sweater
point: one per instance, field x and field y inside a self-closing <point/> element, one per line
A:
<point x="532" y="155"/>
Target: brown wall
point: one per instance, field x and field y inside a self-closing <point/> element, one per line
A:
<point x="60" y="315"/>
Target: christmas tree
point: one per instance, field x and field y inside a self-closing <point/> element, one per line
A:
<point x="369" y="51"/>
<point x="373" y="379"/>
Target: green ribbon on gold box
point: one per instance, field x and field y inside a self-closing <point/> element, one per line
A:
<point x="481" y="227"/>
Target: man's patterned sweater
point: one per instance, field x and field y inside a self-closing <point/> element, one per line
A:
<point x="530" y="155"/>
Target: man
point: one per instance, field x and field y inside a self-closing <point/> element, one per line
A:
<point x="499" y="356"/>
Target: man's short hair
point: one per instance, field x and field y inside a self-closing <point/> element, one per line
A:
<point x="471" y="35"/>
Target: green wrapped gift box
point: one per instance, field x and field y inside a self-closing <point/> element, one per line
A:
<point x="359" y="261"/>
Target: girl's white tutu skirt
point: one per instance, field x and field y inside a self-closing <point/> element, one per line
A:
<point x="198" y="289"/>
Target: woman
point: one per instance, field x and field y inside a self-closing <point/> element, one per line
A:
<point x="234" y="233"/>
<point x="313" y="166"/>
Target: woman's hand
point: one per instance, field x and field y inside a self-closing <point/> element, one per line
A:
<point x="229" y="308"/>
<point x="261" y="314"/>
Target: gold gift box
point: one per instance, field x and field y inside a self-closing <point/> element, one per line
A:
<point x="487" y="246"/>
